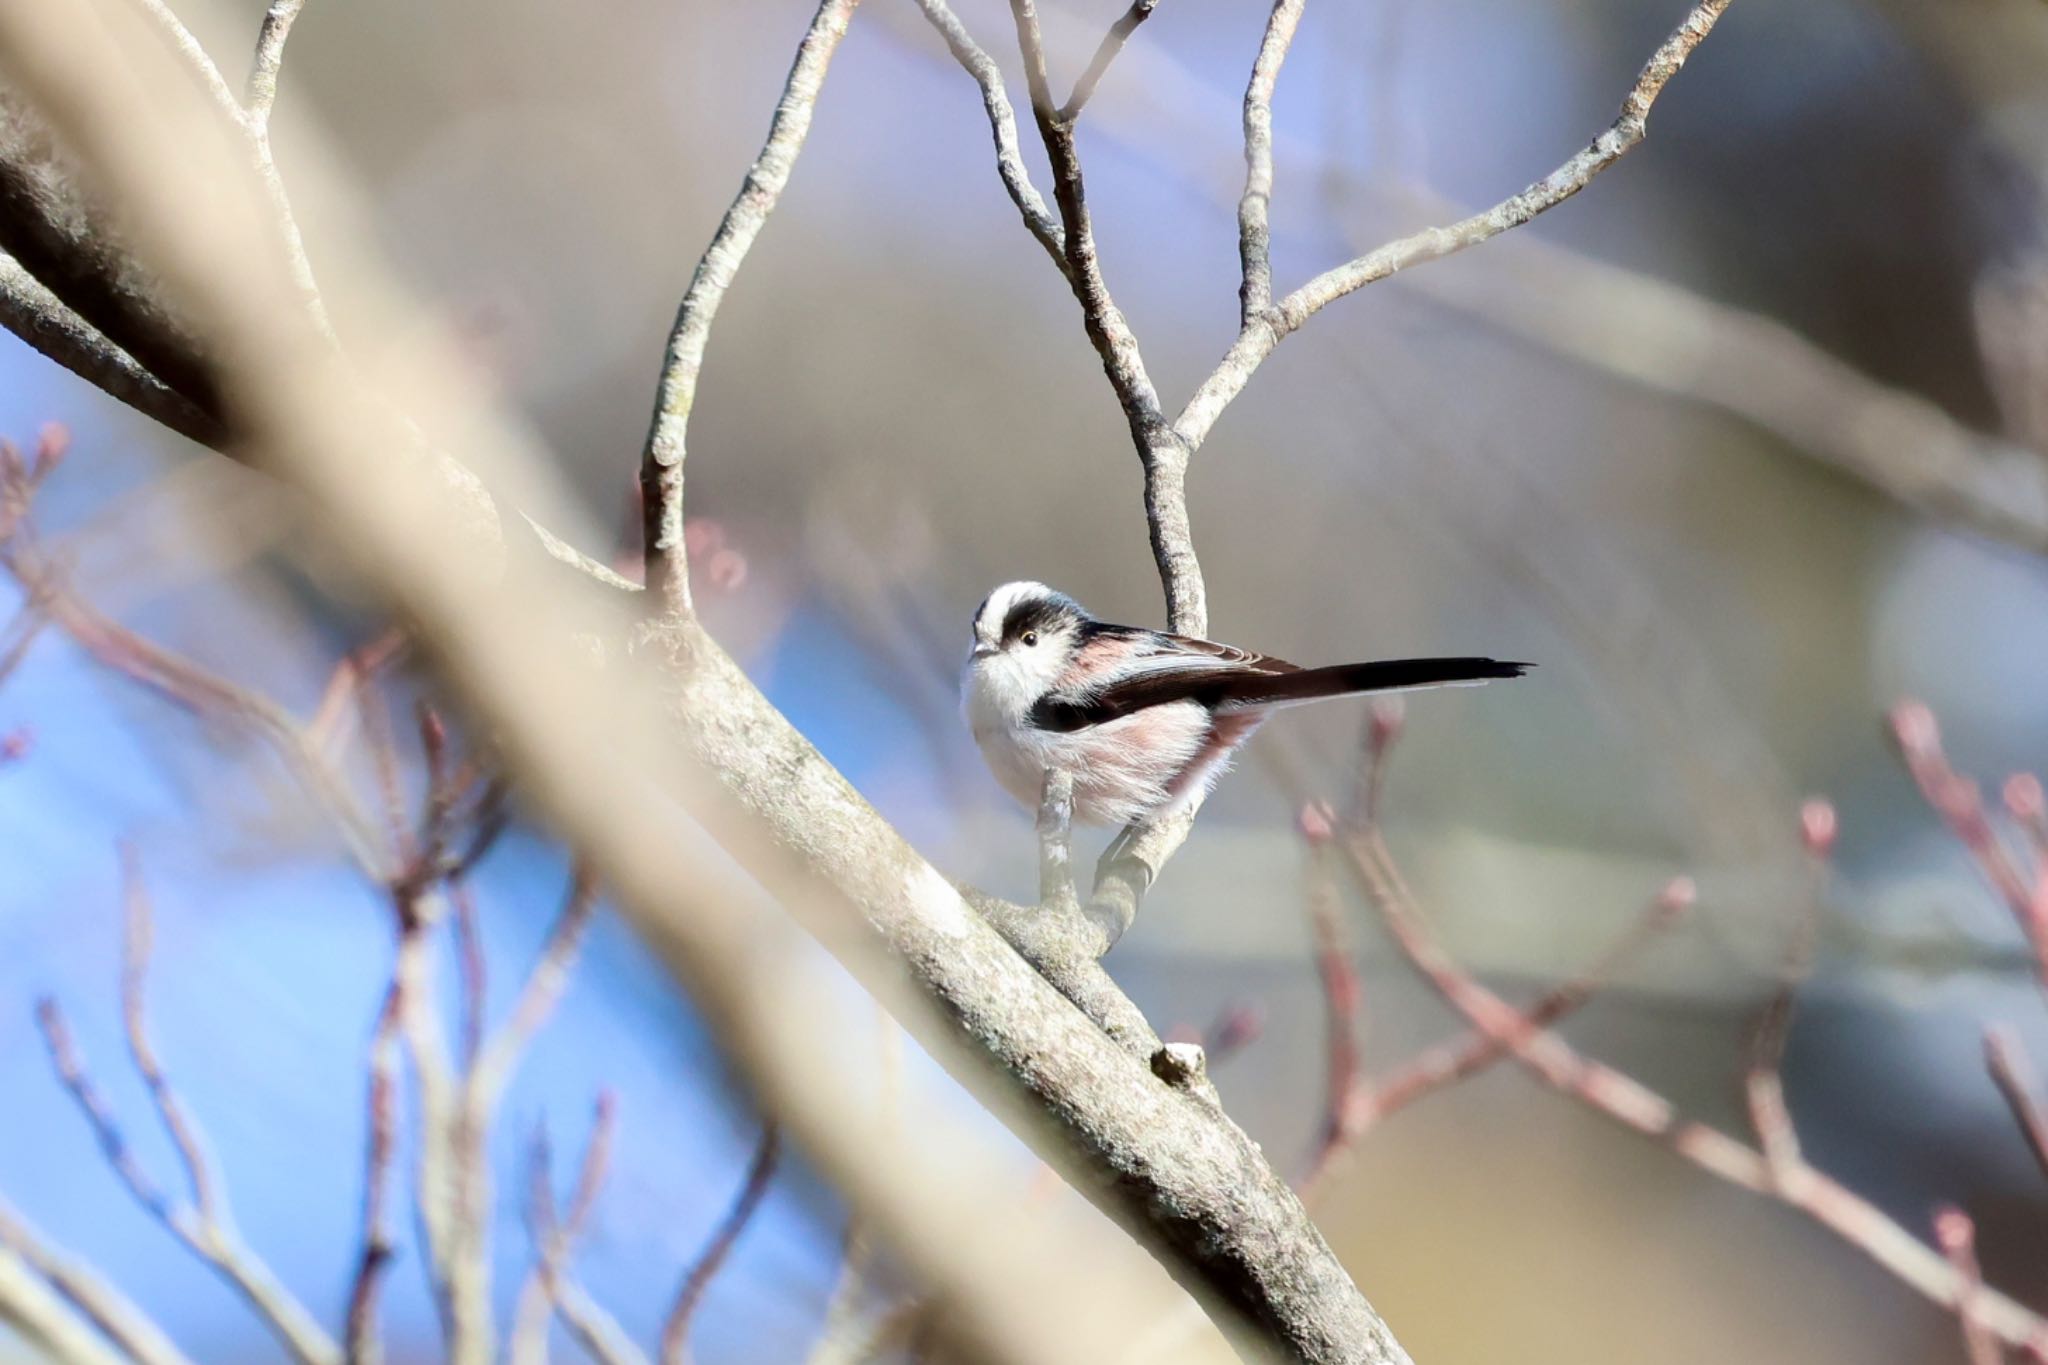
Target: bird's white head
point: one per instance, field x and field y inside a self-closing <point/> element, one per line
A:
<point x="1025" y="636"/>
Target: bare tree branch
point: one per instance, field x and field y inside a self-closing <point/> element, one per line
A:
<point x="269" y="59"/>
<point x="1956" y="1234"/>
<point x="1106" y="52"/>
<point x="1255" y="207"/>
<point x="1782" y="1175"/>
<point x="1198" y="1188"/>
<point x="552" y="1282"/>
<point x="2007" y="1062"/>
<point x="120" y="1320"/>
<point x="1260" y="337"/>
<point x="206" y="1226"/>
<point x="1002" y="120"/>
<point x="361" y="1342"/>
<point x="35" y="1310"/>
<point x="661" y="465"/>
<point x="675" y="1333"/>
<point x="38" y="317"/>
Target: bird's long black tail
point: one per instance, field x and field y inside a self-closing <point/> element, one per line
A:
<point x="1383" y="675"/>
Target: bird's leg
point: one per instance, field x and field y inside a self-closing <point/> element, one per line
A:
<point x="1055" y="844"/>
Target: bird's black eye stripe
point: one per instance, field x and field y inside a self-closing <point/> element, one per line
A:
<point x="1036" y="616"/>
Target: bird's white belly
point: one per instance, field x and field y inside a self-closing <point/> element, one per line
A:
<point x="1123" y="771"/>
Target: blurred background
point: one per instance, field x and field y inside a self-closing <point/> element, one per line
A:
<point x="1518" y="451"/>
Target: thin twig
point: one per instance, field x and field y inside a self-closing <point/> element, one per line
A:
<point x="1112" y="43"/>
<point x="661" y="464"/>
<point x="675" y="1333"/>
<point x="544" y="985"/>
<point x="194" y="56"/>
<point x="1956" y="1234"/>
<point x="1254" y="207"/>
<point x="1346" y="1097"/>
<point x="269" y="59"/>
<point x="1960" y="804"/>
<point x="201" y="691"/>
<point x="1010" y="167"/>
<point x="551" y="1282"/>
<point x="362" y="1343"/>
<point x="206" y="1226"/>
<point x="2007" y="1061"/>
<point x="1447" y="1063"/>
<point x="1258" y="339"/>
<point x="1629" y="1102"/>
<point x="1763" y="1080"/>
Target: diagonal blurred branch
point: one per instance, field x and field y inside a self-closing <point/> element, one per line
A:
<point x="1776" y="1172"/>
<point x="592" y="755"/>
<point x="121" y="1321"/>
<point x="2007" y="1062"/>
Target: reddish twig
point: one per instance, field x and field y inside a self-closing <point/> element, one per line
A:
<point x="361" y="1340"/>
<point x="551" y="1284"/>
<point x="1629" y="1102"/>
<point x="1449" y="1062"/>
<point x="1112" y="43"/>
<point x="1957" y="800"/>
<point x="675" y="1333"/>
<point x="2007" y="1062"/>
<point x="1957" y="1237"/>
<point x="544" y="986"/>
<point x="1346" y="1096"/>
<point x="1763" y="1080"/>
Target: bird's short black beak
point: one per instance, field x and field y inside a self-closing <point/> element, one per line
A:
<point x="981" y="652"/>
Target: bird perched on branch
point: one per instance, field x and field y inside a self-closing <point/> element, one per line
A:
<point x="1144" y="722"/>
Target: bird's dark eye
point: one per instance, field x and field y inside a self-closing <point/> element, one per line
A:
<point x="1030" y="637"/>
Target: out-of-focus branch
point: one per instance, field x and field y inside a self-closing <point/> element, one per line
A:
<point x="1448" y="1063"/>
<point x="1763" y="1077"/>
<point x="1777" y="1172"/>
<point x="1956" y="1235"/>
<point x="2007" y="1062"/>
<point x="1960" y="804"/>
<point x="116" y="1317"/>
<point x="675" y="1332"/>
<point x="1346" y="1094"/>
<point x="661" y="463"/>
<point x="552" y="1283"/>
<point x="1163" y="1161"/>
<point x="32" y="1307"/>
<point x="360" y="1340"/>
<point x="205" y="1225"/>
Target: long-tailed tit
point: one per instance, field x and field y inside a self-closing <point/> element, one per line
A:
<point x="1144" y="722"/>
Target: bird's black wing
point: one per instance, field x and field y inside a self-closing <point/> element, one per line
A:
<point x="1171" y="668"/>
